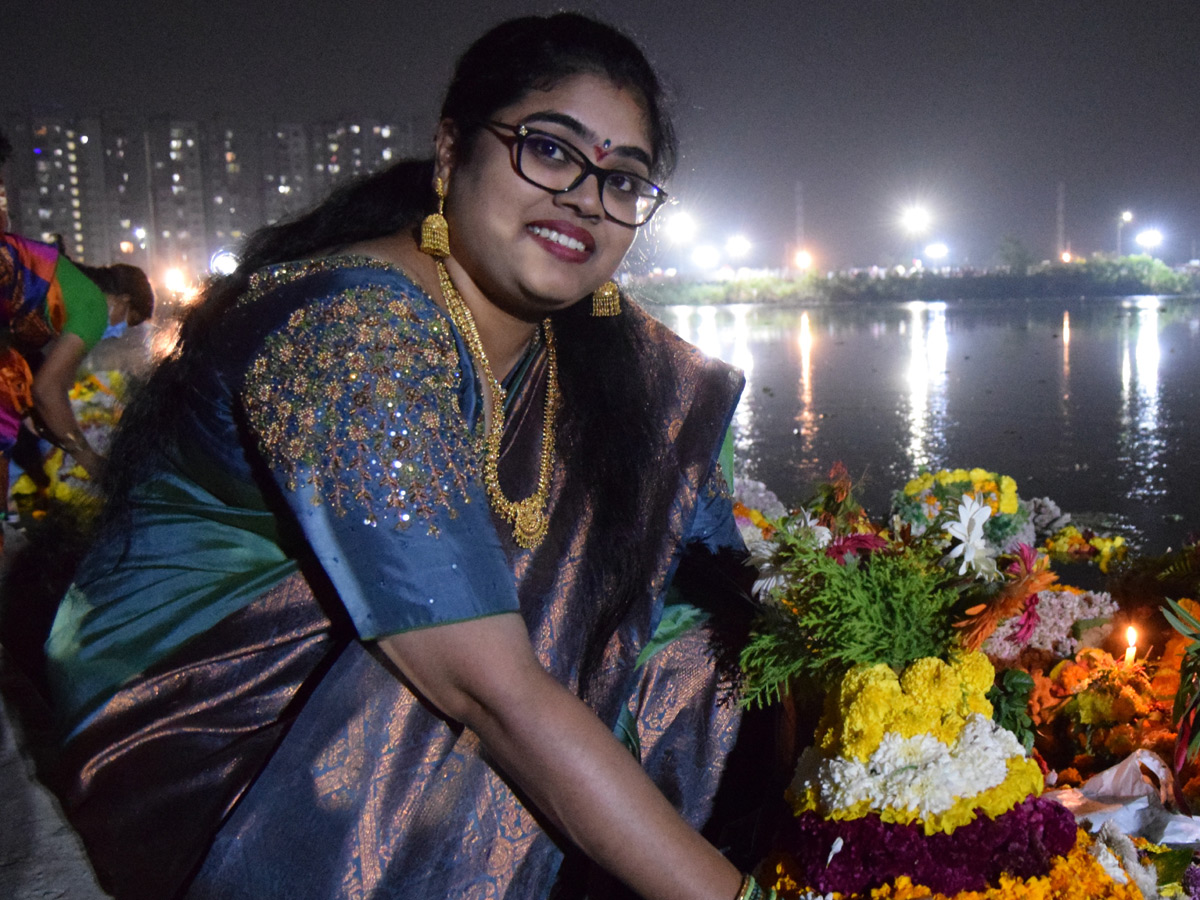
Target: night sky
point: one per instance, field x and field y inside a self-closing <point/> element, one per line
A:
<point x="976" y="108"/>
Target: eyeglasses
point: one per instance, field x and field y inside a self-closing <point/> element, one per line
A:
<point x="558" y="166"/>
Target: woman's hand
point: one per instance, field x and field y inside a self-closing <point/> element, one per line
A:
<point x="484" y="674"/>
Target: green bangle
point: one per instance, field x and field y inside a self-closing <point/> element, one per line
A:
<point x="751" y="890"/>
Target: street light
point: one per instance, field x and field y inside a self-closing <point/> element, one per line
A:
<point x="738" y="246"/>
<point x="681" y="228"/>
<point x="915" y="220"/>
<point x="223" y="262"/>
<point x="1149" y="239"/>
<point x="1122" y="220"/>
<point x="937" y="250"/>
<point x="803" y="260"/>
<point x="706" y="257"/>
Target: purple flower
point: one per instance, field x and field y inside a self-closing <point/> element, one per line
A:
<point x="1021" y="842"/>
<point x="1191" y="882"/>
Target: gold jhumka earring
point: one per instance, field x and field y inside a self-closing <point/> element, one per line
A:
<point x="606" y="300"/>
<point x="435" y="233"/>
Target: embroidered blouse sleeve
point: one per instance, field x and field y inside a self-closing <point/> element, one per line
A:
<point x="356" y="403"/>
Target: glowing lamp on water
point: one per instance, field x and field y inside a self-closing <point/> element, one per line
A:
<point x="1131" y="650"/>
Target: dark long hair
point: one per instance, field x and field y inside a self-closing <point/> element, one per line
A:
<point x="608" y="427"/>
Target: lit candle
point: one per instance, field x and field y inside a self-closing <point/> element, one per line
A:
<point x="1131" y="636"/>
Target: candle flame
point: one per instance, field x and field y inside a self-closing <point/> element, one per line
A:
<point x="1131" y="636"/>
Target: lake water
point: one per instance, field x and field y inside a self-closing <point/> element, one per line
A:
<point x="1093" y="403"/>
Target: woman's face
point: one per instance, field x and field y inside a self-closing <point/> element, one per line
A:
<point x="530" y="251"/>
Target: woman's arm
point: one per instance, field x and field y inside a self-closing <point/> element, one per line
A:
<point x="484" y="674"/>
<point x="52" y="404"/>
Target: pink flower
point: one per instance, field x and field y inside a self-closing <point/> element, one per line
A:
<point x="1029" y="620"/>
<point x="846" y="544"/>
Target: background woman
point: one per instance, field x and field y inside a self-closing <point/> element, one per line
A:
<point x="390" y="486"/>
<point x="52" y="312"/>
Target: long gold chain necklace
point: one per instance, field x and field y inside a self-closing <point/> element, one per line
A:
<point x="527" y="517"/>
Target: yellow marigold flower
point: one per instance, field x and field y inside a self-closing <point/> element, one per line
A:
<point x="863" y="730"/>
<point x="1008" y="495"/>
<point x="975" y="671"/>
<point x="1094" y="708"/>
<point x="922" y="482"/>
<point x="914" y="719"/>
<point x="932" y="684"/>
<point x="867" y="698"/>
<point x="978" y="703"/>
<point x="24" y="485"/>
<point x="1110" y="549"/>
<point x="1129" y="704"/>
<point x="978" y="475"/>
<point x="949" y="728"/>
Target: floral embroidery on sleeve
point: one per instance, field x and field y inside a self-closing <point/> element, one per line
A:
<point x="356" y="396"/>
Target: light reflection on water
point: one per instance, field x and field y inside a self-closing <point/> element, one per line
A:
<point x="1085" y="401"/>
<point x="1140" y="435"/>
<point x="927" y="382"/>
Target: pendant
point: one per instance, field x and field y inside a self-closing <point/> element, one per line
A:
<point x="529" y="527"/>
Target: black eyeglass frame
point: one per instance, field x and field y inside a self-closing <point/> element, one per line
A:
<point x="521" y="132"/>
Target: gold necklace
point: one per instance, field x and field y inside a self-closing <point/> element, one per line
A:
<point x="527" y="517"/>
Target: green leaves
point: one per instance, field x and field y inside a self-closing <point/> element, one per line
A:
<point x="1010" y="705"/>
<point x="1187" y="700"/>
<point x="881" y="607"/>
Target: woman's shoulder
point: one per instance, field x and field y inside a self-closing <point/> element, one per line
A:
<point x="325" y="277"/>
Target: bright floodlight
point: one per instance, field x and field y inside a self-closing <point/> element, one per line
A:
<point x="803" y="260"/>
<point x="915" y="219"/>
<point x="223" y="262"/>
<point x="1127" y="216"/>
<point x="681" y="228"/>
<point x="738" y="246"/>
<point x="706" y="256"/>
<point x="175" y="280"/>
<point x="1066" y="256"/>
<point x="937" y="250"/>
<point x="1149" y="239"/>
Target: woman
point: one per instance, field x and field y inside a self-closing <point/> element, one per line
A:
<point x="52" y="313"/>
<point x="395" y="522"/>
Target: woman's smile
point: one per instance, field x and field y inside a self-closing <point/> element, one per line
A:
<point x="564" y="240"/>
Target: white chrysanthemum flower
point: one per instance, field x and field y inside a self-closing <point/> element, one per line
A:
<point x="920" y="773"/>
<point x="821" y="535"/>
<point x="897" y="752"/>
<point x="764" y="557"/>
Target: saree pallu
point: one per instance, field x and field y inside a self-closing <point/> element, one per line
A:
<point x="278" y="755"/>
<point x="31" y="305"/>
<point x="31" y="315"/>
